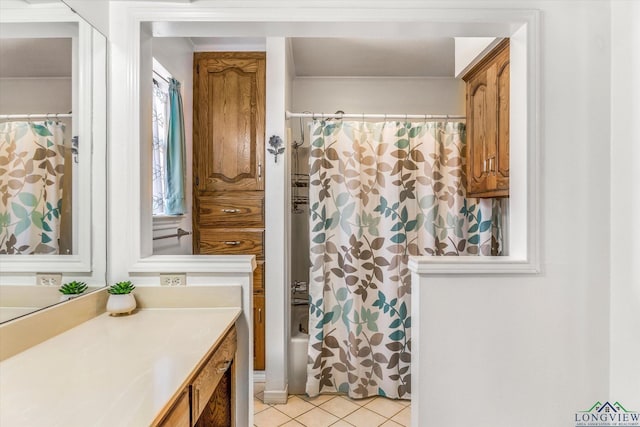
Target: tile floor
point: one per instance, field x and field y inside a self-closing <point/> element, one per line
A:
<point x="331" y="410"/>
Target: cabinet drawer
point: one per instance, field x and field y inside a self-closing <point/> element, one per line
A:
<point x="232" y="209"/>
<point x="178" y="416"/>
<point x="216" y="241"/>
<point x="209" y="376"/>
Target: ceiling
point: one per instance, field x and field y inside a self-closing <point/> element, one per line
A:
<point x="35" y="57"/>
<point x="361" y="57"/>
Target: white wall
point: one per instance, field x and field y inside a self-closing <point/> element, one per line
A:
<point x="625" y="200"/>
<point x="469" y="50"/>
<point x="379" y="95"/>
<point x="277" y="217"/>
<point x="24" y="95"/>
<point x="531" y="350"/>
<point x="176" y="55"/>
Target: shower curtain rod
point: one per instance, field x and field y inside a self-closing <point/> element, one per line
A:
<point x="290" y="115"/>
<point x="36" y="116"/>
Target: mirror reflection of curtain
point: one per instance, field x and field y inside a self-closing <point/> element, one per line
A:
<point x="378" y="193"/>
<point x="32" y="165"/>
<point x="159" y="130"/>
<point x="168" y="149"/>
<point x="175" y="164"/>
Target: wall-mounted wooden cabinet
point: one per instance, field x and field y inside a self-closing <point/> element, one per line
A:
<point x="228" y="128"/>
<point x="228" y="176"/>
<point x="488" y="125"/>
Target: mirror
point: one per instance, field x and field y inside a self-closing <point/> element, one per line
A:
<point x="52" y="154"/>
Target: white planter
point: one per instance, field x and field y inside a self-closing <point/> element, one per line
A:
<point x="119" y="304"/>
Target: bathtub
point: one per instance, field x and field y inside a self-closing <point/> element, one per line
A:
<point x="298" y="348"/>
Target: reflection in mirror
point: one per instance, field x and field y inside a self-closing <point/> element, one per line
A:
<point x="38" y="171"/>
<point x="52" y="155"/>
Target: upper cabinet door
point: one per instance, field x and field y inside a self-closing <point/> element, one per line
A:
<point x="229" y="111"/>
<point x="502" y="165"/>
<point x="488" y="125"/>
<point x="481" y="131"/>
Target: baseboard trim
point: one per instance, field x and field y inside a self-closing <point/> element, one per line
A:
<point x="259" y="376"/>
<point x="276" y="396"/>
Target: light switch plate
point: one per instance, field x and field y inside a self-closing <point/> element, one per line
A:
<point x="48" y="279"/>
<point x="173" y="279"/>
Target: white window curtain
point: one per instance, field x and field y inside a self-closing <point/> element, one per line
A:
<point x="160" y="129"/>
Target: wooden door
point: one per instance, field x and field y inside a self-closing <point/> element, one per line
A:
<point x="258" y="332"/>
<point x="228" y="132"/>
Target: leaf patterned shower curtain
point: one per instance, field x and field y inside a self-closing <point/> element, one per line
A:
<point x="380" y="192"/>
<point x="31" y="179"/>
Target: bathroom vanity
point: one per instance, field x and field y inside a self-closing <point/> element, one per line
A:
<point x="161" y="366"/>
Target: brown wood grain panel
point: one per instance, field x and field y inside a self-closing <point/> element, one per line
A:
<point x="211" y="373"/>
<point x="258" y="278"/>
<point x="502" y="166"/>
<point x="232" y="209"/>
<point x="228" y="135"/>
<point x="179" y="414"/>
<point x="488" y="125"/>
<point x="217" y="241"/>
<point x="259" y="317"/>
<point x="218" y="411"/>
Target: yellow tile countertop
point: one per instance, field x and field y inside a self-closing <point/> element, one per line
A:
<point x="110" y="371"/>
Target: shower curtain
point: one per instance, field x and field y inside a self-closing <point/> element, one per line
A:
<point x="31" y="179"/>
<point x="378" y="193"/>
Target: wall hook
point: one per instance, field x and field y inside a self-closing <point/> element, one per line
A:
<point x="275" y="142"/>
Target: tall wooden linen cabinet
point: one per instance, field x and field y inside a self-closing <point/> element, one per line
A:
<point x="488" y="124"/>
<point x="228" y="176"/>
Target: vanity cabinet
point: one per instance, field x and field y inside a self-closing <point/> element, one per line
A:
<point x="228" y="152"/>
<point x="208" y="400"/>
<point x="488" y="125"/>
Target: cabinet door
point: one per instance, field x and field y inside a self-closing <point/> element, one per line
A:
<point x="228" y="128"/>
<point x="219" y="410"/>
<point x="179" y="414"/>
<point x="258" y="332"/>
<point x="501" y="169"/>
<point x="481" y="130"/>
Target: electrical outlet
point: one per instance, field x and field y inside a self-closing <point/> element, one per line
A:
<point x="173" y="279"/>
<point x="48" y="279"/>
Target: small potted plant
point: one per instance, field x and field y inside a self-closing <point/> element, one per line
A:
<point x="72" y="290"/>
<point x="121" y="300"/>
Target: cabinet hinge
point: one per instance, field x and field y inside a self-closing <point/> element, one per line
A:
<point x="198" y="69"/>
<point x="197" y="182"/>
